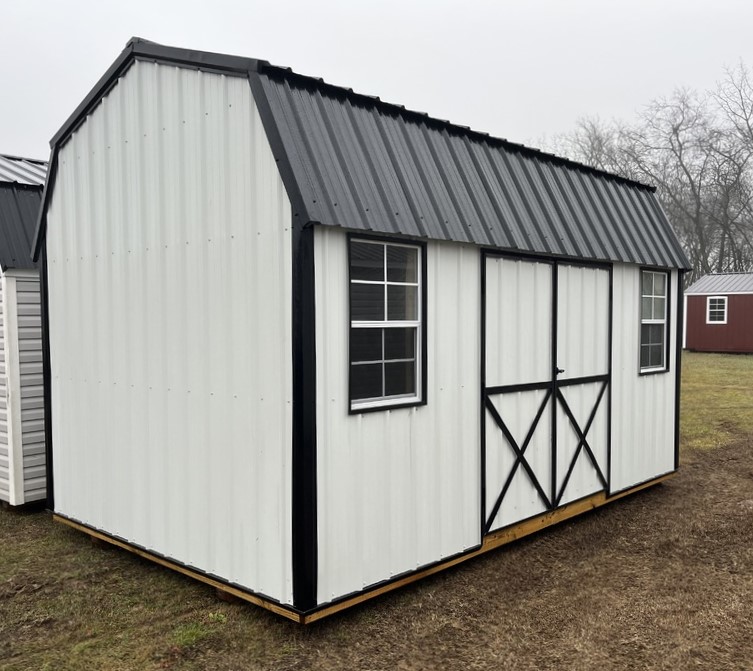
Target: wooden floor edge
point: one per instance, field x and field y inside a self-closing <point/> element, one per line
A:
<point x="217" y="584"/>
<point x="491" y="542"/>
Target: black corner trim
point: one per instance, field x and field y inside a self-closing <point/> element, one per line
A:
<point x="301" y="215"/>
<point x="680" y="321"/>
<point x="46" y="376"/>
<point x="304" y="473"/>
<point x="49" y="184"/>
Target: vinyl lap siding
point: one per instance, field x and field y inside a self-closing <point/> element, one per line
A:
<point x="32" y="390"/>
<point x="4" y="451"/>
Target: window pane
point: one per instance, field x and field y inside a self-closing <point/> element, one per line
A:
<point x="645" y="356"/>
<point x="652" y="334"/>
<point x="399" y="343"/>
<point x="656" y="355"/>
<point x="402" y="264"/>
<point x="366" y="302"/>
<point x="399" y="378"/>
<point x="658" y="308"/>
<point x="365" y="344"/>
<point x="647" y="283"/>
<point x="366" y="381"/>
<point x="646" y="308"/>
<point x="366" y="261"/>
<point x="660" y="280"/>
<point x="402" y="303"/>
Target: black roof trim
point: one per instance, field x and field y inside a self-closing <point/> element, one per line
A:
<point x="19" y="206"/>
<point x="138" y="47"/>
<point x="374" y="101"/>
<point x="38" y="161"/>
<point x="263" y="76"/>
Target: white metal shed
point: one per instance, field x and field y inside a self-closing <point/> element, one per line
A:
<point x="309" y="346"/>
<point x="22" y="449"/>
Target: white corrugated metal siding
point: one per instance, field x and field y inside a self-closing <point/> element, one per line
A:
<point x="518" y="351"/>
<point x="582" y="351"/>
<point x="169" y="256"/>
<point x="643" y="407"/>
<point x="397" y="489"/>
<point x="4" y="449"/>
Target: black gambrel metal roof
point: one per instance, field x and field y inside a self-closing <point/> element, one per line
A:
<point x="21" y="182"/>
<point x="354" y="161"/>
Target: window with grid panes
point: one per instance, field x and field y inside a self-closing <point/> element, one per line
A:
<point x="716" y="310"/>
<point x="385" y="323"/>
<point x="653" y="320"/>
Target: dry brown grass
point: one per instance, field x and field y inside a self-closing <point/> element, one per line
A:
<point x="660" y="580"/>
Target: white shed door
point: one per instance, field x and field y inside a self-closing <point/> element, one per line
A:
<point x="546" y="378"/>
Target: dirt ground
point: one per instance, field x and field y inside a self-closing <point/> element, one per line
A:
<point x="660" y="580"/>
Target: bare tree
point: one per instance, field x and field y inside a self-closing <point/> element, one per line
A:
<point x="697" y="149"/>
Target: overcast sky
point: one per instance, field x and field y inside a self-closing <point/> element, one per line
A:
<point x="521" y="69"/>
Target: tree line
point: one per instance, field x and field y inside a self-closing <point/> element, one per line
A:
<point x="697" y="149"/>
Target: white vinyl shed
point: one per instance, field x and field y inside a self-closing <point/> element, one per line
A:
<point x="308" y="346"/>
<point x="22" y="447"/>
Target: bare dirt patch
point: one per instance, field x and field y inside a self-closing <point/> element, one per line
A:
<point x="660" y="580"/>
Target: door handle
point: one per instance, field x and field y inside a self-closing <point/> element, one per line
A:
<point x="559" y="370"/>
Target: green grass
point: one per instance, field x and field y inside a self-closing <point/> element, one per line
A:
<point x="717" y="399"/>
<point x="68" y="604"/>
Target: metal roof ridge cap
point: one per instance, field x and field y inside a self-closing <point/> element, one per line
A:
<point x="111" y="75"/>
<point x="13" y="157"/>
<point x="466" y="131"/>
<point x="241" y="64"/>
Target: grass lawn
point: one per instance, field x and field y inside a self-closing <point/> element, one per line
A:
<point x="717" y="398"/>
<point x="660" y="580"/>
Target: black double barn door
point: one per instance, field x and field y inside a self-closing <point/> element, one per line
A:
<point x="546" y="387"/>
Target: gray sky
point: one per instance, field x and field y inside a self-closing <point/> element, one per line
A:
<point x="520" y="69"/>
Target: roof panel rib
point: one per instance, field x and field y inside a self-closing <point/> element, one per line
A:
<point x="723" y="283"/>
<point x="438" y="181"/>
<point x="356" y="162"/>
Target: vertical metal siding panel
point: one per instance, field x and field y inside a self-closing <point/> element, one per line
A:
<point x="170" y="278"/>
<point x="518" y="347"/>
<point x="643" y="406"/>
<point x="397" y="489"/>
<point x="519" y="322"/>
<point x="4" y="448"/>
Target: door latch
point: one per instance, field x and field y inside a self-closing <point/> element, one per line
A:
<point x="559" y="370"/>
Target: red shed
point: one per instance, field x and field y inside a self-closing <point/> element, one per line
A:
<point x="719" y="313"/>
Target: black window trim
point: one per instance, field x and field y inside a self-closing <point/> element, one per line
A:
<point x="667" y="320"/>
<point x="422" y="362"/>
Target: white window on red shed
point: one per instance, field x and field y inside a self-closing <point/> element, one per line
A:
<point x="716" y="310"/>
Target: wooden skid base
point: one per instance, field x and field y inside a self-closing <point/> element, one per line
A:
<point x="492" y="541"/>
<point x="217" y="584"/>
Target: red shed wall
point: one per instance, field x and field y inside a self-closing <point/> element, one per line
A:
<point x="734" y="336"/>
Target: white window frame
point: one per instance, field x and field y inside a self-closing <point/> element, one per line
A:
<point x="708" y="309"/>
<point x="667" y="279"/>
<point x="399" y="400"/>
